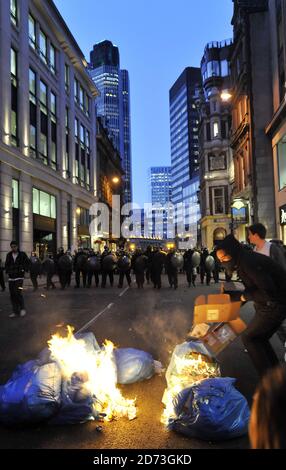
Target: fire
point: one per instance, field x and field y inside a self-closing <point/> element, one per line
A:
<point x="189" y="369"/>
<point x="100" y="370"/>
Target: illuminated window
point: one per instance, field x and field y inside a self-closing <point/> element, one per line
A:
<point x="215" y="130"/>
<point x="281" y="154"/>
<point x="44" y="204"/>
<point x="15" y="194"/>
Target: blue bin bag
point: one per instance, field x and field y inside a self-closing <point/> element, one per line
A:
<point x="182" y="350"/>
<point x="76" y="403"/>
<point x="90" y="343"/>
<point x="133" y="365"/>
<point x="31" y="395"/>
<point x="212" y="410"/>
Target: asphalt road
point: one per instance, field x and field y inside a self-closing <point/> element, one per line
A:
<point x="147" y="319"/>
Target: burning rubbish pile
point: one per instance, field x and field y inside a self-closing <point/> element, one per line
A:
<point x="73" y="381"/>
<point x="198" y="402"/>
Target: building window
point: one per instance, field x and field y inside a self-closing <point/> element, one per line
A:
<point x="218" y="201"/>
<point x="281" y="154"/>
<point x="215" y="129"/>
<point x="14" y="98"/>
<point x="32" y="32"/>
<point x="15" y="194"/>
<point x="14" y="11"/>
<point x="67" y="78"/>
<point x="43" y="96"/>
<point x="76" y="90"/>
<point x="53" y="105"/>
<point x="81" y="98"/>
<point x="67" y="158"/>
<point x="43" y="47"/>
<point x="224" y="67"/>
<point x="53" y="131"/>
<point x="44" y="204"/>
<point x="44" y="123"/>
<point x="53" y="59"/>
<point x="86" y="104"/>
<point x="33" y="112"/>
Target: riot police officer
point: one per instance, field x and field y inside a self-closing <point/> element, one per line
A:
<point x="157" y="264"/>
<point x="108" y="263"/>
<point x="172" y="268"/>
<point x="139" y="264"/>
<point x="80" y="261"/>
<point x="124" y="268"/>
<point x="93" y="268"/>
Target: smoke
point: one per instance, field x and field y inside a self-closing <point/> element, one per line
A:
<point x="164" y="330"/>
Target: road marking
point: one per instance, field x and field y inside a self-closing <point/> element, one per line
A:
<point x="109" y="306"/>
<point x="123" y="292"/>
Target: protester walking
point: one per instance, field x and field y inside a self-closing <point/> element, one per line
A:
<point x="17" y="263"/>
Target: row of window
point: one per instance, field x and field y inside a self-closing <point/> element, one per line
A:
<point x="43" y="203"/>
<point x="43" y="120"/>
<point x="39" y="42"/>
<point x="43" y="126"/>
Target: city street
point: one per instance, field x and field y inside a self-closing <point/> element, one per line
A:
<point x="147" y="319"/>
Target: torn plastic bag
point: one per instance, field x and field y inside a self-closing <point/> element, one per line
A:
<point x="184" y="370"/>
<point x="133" y="365"/>
<point x="31" y="395"/>
<point x="77" y="404"/>
<point x="211" y="410"/>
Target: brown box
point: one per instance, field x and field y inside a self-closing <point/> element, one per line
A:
<point x="222" y="315"/>
<point x="215" y="309"/>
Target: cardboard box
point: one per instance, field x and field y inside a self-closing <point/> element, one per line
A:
<point x="222" y="317"/>
<point x="215" y="308"/>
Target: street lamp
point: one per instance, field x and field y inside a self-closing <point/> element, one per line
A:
<point x="115" y="179"/>
<point x="226" y="95"/>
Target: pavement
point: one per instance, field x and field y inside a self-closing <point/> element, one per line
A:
<point x="147" y="319"/>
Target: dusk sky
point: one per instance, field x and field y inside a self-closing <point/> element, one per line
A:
<point x="157" y="39"/>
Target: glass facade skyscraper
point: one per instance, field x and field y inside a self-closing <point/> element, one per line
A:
<point x="184" y="132"/>
<point x="184" y="122"/>
<point x="113" y="104"/>
<point x="160" y="184"/>
<point x="160" y="187"/>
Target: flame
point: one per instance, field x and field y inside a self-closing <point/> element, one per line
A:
<point x="99" y="368"/>
<point x="189" y="370"/>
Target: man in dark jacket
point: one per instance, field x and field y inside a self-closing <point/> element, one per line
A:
<point x="264" y="282"/>
<point x="17" y="262"/>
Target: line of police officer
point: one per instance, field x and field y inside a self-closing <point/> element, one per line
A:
<point x="149" y="265"/>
